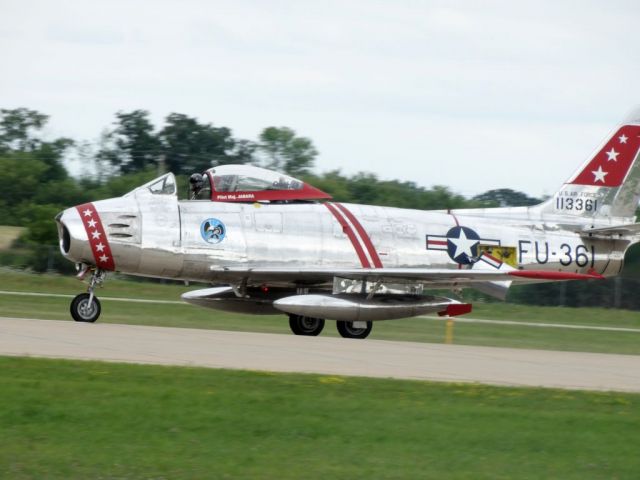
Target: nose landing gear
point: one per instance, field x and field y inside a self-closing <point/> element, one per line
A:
<point x="86" y="306"/>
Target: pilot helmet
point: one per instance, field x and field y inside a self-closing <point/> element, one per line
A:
<point x="196" y="181"/>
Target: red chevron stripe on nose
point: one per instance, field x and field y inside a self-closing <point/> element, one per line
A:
<point x="97" y="237"/>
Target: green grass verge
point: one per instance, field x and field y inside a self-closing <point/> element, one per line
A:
<point x="69" y="419"/>
<point x="115" y="286"/>
<point x="420" y="330"/>
<point x="8" y="235"/>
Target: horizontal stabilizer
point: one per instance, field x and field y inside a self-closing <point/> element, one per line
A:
<point x="628" y="230"/>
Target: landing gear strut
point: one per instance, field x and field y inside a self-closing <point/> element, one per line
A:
<point x="308" y="326"/>
<point x="354" y="329"/>
<point x="86" y="306"/>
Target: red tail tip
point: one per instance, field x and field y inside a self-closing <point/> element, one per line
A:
<point x="609" y="166"/>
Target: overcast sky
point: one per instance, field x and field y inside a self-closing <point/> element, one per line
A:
<point x="472" y="95"/>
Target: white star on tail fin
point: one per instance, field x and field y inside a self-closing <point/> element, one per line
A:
<point x="599" y="175"/>
<point x="607" y="185"/>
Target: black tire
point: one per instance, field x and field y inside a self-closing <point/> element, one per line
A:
<point x="347" y="330"/>
<point x="81" y="311"/>
<point x="308" y="326"/>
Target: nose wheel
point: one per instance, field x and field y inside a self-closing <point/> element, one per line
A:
<point x="86" y="306"/>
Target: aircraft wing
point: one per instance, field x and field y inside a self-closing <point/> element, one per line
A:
<point x="423" y="275"/>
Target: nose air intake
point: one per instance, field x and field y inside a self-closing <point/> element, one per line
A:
<point x="63" y="234"/>
<point x="65" y="240"/>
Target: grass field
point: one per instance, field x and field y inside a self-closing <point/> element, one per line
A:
<point x="64" y="419"/>
<point x="421" y="330"/>
<point x="8" y="235"/>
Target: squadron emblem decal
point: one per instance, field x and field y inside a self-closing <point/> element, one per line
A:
<point x="461" y="243"/>
<point x="212" y="230"/>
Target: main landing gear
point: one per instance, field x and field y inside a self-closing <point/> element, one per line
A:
<point x="308" y="326"/>
<point x="354" y="329"/>
<point x="311" y="327"/>
<point x="86" y="306"/>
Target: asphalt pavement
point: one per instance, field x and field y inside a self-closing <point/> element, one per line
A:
<point x="324" y="355"/>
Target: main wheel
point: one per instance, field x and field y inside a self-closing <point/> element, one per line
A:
<point x="82" y="311"/>
<point x="308" y="326"/>
<point x="350" y="330"/>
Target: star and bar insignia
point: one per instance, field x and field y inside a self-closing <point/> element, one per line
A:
<point x="461" y="243"/>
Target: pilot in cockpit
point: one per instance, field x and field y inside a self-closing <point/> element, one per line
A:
<point x="200" y="187"/>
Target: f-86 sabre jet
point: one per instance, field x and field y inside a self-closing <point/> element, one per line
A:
<point x="267" y="243"/>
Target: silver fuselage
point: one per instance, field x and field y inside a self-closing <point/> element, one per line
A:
<point x="160" y="236"/>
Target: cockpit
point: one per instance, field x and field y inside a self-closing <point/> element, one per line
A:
<point x="238" y="183"/>
<point x="247" y="183"/>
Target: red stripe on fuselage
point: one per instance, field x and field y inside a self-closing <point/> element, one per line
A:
<point x="454" y="217"/>
<point x="350" y="234"/>
<point x="363" y="235"/>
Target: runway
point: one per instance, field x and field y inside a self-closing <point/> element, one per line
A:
<point x="324" y="355"/>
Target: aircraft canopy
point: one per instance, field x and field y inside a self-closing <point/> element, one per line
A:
<point x="162" y="185"/>
<point x="247" y="183"/>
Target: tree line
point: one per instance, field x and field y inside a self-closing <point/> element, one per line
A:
<point x="36" y="183"/>
<point x="184" y="145"/>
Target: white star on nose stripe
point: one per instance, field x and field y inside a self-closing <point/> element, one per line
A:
<point x="599" y="175"/>
<point x="100" y="247"/>
<point x="92" y="223"/>
<point x="463" y="245"/>
<point x="623" y="138"/>
<point x="104" y="258"/>
<point x="87" y="213"/>
<point x="96" y="234"/>
<point x="613" y="155"/>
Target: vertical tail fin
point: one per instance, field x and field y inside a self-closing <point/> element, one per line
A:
<point x="607" y="185"/>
